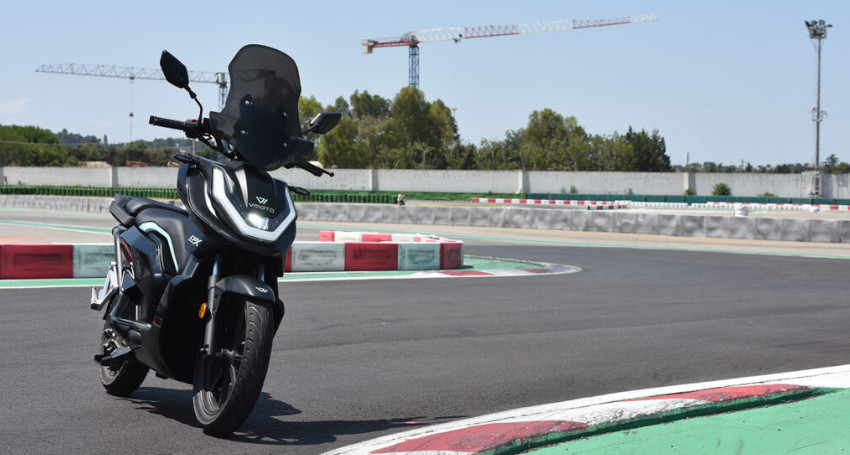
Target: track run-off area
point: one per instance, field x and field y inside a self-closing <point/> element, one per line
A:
<point x="358" y="359"/>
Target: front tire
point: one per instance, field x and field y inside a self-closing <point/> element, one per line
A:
<point x="227" y="385"/>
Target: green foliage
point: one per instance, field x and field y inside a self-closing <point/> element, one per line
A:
<point x="554" y="142"/>
<point x="32" y="146"/>
<point x="690" y="192"/>
<point x="721" y="189"/>
<point x="766" y="194"/>
<point x="407" y="133"/>
<point x="650" y="151"/>
<point x="833" y="166"/>
<point x="308" y="108"/>
<point x="364" y="105"/>
<point x="500" y="155"/>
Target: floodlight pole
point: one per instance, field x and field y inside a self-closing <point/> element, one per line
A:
<point x="817" y="31"/>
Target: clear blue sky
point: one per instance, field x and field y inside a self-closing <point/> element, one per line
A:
<point x="722" y="81"/>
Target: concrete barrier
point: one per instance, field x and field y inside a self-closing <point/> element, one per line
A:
<point x="36" y="261"/>
<point x="813" y="230"/>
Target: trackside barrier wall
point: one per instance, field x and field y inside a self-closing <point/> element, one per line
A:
<point x="464" y="181"/>
<point x="414" y="251"/>
<point x="812" y="230"/>
<point x="316" y="257"/>
<point x="379" y="252"/>
<point x="90" y="261"/>
<point x="37" y="261"/>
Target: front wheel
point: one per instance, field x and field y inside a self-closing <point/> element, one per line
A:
<point x="228" y="383"/>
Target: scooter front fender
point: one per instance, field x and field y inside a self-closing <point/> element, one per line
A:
<point x="244" y="285"/>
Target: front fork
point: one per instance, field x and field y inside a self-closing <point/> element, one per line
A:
<point x="210" y="348"/>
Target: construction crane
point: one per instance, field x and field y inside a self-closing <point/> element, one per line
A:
<point x="414" y="38"/>
<point x="131" y="73"/>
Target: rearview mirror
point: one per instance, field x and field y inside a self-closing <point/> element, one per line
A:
<point x="174" y="71"/>
<point x="323" y="122"/>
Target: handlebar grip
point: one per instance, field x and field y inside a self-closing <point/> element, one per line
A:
<point x="168" y="123"/>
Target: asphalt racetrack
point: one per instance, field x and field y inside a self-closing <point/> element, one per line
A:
<point x="359" y="359"/>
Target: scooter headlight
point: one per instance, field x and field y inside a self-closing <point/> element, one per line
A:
<point x="252" y="225"/>
<point x="259" y="222"/>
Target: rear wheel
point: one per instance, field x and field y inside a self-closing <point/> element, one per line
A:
<point x="120" y="377"/>
<point x="228" y="383"/>
<point x="123" y="379"/>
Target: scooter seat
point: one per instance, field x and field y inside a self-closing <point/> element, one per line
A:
<point x="125" y="208"/>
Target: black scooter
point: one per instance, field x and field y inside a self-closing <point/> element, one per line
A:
<point x="193" y="293"/>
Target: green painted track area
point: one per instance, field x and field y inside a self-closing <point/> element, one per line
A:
<point x="813" y="426"/>
<point x="471" y="263"/>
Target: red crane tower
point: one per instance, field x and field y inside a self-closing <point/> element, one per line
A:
<point x="414" y="38"/>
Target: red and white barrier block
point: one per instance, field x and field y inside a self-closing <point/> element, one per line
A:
<point x="31" y="261"/>
<point x="371" y="251"/>
<point x="777" y="206"/>
<point x="338" y="251"/>
<point x="589" y="205"/>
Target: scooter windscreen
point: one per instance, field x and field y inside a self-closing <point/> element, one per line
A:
<point x="260" y="116"/>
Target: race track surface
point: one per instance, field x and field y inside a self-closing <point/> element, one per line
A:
<point x="359" y="359"/>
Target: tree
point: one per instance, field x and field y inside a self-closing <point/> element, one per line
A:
<point x="341" y="106"/>
<point x="544" y="135"/>
<point x="830" y="163"/>
<point x="554" y="142"/>
<point x="501" y="155"/>
<point x="612" y="154"/>
<point x="308" y="108"/>
<point x="650" y="151"/>
<point x="340" y="147"/>
<point x="364" y="105"/>
<point x="841" y="168"/>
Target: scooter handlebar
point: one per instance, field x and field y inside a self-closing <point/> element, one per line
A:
<point x="192" y="129"/>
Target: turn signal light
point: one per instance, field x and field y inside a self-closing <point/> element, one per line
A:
<point x="202" y="311"/>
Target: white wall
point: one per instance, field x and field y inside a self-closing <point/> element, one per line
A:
<point x="509" y="182"/>
<point x="60" y="176"/>
<point x="605" y="182"/>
